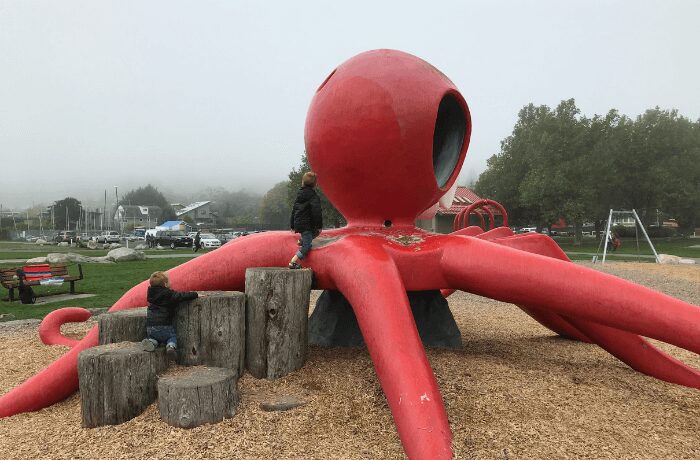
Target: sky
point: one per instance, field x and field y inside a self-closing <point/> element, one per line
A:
<point x="188" y="95"/>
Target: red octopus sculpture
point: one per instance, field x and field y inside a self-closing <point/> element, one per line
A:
<point x="387" y="133"/>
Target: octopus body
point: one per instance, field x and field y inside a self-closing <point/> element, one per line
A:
<point x="387" y="134"/>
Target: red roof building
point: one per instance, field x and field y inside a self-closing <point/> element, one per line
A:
<point x="443" y="220"/>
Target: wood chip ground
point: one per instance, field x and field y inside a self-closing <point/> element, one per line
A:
<point x="514" y="392"/>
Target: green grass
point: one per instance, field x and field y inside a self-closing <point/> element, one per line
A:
<point x="108" y="281"/>
<point x="17" y="250"/>
<point x="681" y="247"/>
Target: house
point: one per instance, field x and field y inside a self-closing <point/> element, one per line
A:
<point x="138" y="216"/>
<point x="199" y="212"/>
<point x="443" y="221"/>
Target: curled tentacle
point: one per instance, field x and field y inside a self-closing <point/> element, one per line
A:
<point x="378" y="297"/>
<point x="588" y="299"/>
<point x="50" y="327"/>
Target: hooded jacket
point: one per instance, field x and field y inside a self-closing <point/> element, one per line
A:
<point x="162" y="302"/>
<point x="306" y="212"/>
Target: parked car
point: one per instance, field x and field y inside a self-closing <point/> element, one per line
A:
<point x="208" y="240"/>
<point x="528" y="230"/>
<point x="172" y="238"/>
<point x="109" y="236"/>
<point x="65" y="236"/>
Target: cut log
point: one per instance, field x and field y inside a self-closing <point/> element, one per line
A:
<point x="277" y="309"/>
<point x="211" y="330"/>
<point x="122" y="326"/>
<point x="117" y="382"/>
<point x="197" y="395"/>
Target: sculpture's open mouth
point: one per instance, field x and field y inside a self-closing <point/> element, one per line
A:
<point x="448" y="139"/>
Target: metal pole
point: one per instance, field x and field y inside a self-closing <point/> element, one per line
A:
<point x="646" y="236"/>
<point x="606" y="236"/>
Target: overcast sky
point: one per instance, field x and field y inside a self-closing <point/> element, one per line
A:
<point x="186" y="95"/>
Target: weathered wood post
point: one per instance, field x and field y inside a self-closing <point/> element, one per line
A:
<point x="198" y="395"/>
<point x="277" y="309"/>
<point x="211" y="330"/>
<point x="117" y="382"/>
<point x="122" y="326"/>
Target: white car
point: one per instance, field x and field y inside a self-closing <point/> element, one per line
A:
<point x="109" y="237"/>
<point x="208" y="240"/>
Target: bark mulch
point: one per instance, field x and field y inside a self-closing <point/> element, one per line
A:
<point x="514" y="391"/>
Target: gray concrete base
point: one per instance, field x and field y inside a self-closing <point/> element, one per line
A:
<point x="333" y="322"/>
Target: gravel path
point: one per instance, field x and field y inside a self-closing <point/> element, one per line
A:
<point x="514" y="391"/>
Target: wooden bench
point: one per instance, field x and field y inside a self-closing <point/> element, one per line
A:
<point x="33" y="274"/>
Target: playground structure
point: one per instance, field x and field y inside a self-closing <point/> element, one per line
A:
<point x="387" y="134"/>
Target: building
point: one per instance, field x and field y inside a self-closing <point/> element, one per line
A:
<point x="175" y="225"/>
<point x="200" y="212"/>
<point x="443" y="221"/>
<point x="137" y="216"/>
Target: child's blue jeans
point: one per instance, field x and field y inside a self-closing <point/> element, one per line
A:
<point x="162" y="334"/>
<point x="306" y="238"/>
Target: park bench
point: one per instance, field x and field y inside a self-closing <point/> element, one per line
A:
<point x="32" y="275"/>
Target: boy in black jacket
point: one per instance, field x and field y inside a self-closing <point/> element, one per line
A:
<point x="162" y="302"/>
<point x="307" y="217"/>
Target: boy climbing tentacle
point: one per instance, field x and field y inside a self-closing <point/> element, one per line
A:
<point x="162" y="303"/>
<point x="306" y="217"/>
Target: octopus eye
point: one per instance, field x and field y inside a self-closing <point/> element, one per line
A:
<point x="450" y="127"/>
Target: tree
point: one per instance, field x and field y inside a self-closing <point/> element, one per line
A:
<point x="331" y="216"/>
<point x="73" y="207"/>
<point x="149" y="196"/>
<point x="557" y="163"/>
<point x="274" y="207"/>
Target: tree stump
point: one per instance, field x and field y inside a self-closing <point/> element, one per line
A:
<point x="117" y="382"/>
<point x="211" y="331"/>
<point x="198" y="395"/>
<point x="277" y="309"/>
<point x="122" y="326"/>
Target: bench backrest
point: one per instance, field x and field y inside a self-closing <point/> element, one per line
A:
<point x="33" y="272"/>
<point x="37" y="272"/>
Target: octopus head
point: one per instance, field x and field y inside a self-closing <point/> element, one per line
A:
<point x="387" y="134"/>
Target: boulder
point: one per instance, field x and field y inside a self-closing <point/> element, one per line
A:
<point x="63" y="244"/>
<point x="686" y="261"/>
<point x="141" y="246"/>
<point x="114" y="245"/>
<point x="125" y="254"/>
<point x="669" y="259"/>
<point x="62" y="258"/>
<point x="6" y="317"/>
<point x="36" y="260"/>
<point x="41" y="242"/>
<point x="92" y="244"/>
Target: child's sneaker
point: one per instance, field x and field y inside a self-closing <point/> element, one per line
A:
<point x="149" y="345"/>
<point x="294" y="266"/>
<point x="171" y="352"/>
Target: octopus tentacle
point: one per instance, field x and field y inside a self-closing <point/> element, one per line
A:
<point x="633" y="350"/>
<point x="384" y="316"/>
<point x="609" y="301"/>
<point x="223" y="269"/>
<point x="533" y="243"/>
<point x="540" y="244"/>
<point x="50" y="327"/>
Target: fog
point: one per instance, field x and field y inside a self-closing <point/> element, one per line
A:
<point x="188" y="95"/>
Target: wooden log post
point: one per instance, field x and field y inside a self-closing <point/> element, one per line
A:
<point x="122" y="326"/>
<point x="198" y="395"/>
<point x="211" y="330"/>
<point x="117" y="382"/>
<point x="277" y="309"/>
